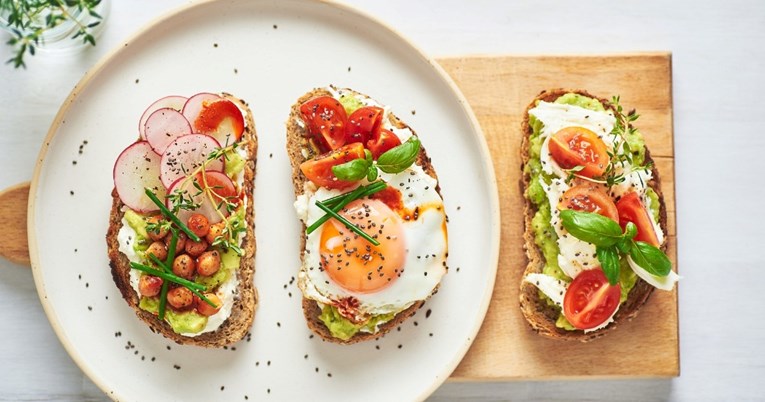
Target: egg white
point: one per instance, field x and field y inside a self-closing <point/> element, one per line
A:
<point x="426" y="246"/>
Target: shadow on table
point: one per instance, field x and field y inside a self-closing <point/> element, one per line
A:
<point x="602" y="390"/>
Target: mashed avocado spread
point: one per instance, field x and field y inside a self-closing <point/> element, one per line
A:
<point x="186" y="322"/>
<point x="544" y="235"/>
<point x="350" y="103"/>
<point x="343" y="329"/>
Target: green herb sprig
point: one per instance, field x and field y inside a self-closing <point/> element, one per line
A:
<point x="28" y="20"/>
<point x="620" y="155"/>
<point x="394" y="160"/>
<point x="338" y="202"/>
<point x="610" y="243"/>
<point x="170" y="215"/>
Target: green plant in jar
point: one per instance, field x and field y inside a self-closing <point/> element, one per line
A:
<point x="35" y="24"/>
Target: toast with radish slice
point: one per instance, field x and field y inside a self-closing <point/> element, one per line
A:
<point x="181" y="240"/>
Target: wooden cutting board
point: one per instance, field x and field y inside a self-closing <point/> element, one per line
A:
<point x="499" y="89"/>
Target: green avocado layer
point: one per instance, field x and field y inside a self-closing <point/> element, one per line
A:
<point x="187" y="322"/>
<point x="343" y="329"/>
<point x="544" y="235"/>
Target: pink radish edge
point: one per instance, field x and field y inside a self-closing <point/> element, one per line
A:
<point x="137" y="168"/>
<point x="175" y="102"/>
<point x="205" y="208"/>
<point x="163" y="127"/>
<point x="187" y="153"/>
<point x="194" y="105"/>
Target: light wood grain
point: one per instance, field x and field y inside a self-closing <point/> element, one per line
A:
<point x="13" y="215"/>
<point x="498" y="89"/>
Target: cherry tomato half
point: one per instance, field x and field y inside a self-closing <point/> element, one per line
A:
<point x="590" y="299"/>
<point x="578" y="146"/>
<point x="319" y="170"/>
<point x="632" y="210"/>
<point x="220" y="119"/>
<point x="589" y="197"/>
<point x="325" y="119"/>
<point x="382" y="141"/>
<point x="362" y="124"/>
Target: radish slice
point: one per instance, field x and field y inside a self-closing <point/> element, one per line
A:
<point x="220" y="184"/>
<point x="174" y="102"/>
<point x="136" y="169"/>
<point x="185" y="155"/>
<point x="164" y="126"/>
<point x="194" y="106"/>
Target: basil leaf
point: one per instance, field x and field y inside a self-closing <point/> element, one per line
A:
<point x="368" y="155"/>
<point x="397" y="159"/>
<point x="591" y="227"/>
<point x="650" y="258"/>
<point x="351" y="171"/>
<point x="372" y="173"/>
<point x="609" y="262"/>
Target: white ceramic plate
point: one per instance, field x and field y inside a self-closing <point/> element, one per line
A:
<point x="269" y="53"/>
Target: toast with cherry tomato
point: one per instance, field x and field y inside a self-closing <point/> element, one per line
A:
<point x="369" y="200"/>
<point x="181" y="240"/>
<point x="595" y="218"/>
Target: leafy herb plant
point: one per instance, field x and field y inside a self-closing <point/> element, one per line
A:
<point x="29" y="20"/>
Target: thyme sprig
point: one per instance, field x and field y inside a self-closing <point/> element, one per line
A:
<point x="229" y="237"/>
<point x="621" y="156"/>
<point x="29" y="20"/>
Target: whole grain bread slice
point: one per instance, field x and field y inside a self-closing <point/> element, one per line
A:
<point x="242" y="314"/>
<point x="540" y="315"/>
<point x="299" y="151"/>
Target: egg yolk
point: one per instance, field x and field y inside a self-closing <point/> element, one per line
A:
<point x="354" y="263"/>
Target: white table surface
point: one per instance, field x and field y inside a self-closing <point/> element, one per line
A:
<point x="718" y="77"/>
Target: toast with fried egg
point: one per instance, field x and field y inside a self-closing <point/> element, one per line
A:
<point x="322" y="299"/>
<point x="230" y="285"/>
<point x="542" y="310"/>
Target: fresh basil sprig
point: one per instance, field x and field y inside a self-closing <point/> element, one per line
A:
<point x="394" y="160"/>
<point x="610" y="243"/>
<point x="397" y="159"/>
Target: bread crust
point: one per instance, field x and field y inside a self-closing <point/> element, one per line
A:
<point x="297" y="141"/>
<point x="540" y="315"/>
<point x="239" y="322"/>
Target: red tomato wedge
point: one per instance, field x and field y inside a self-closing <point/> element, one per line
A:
<point x="222" y="120"/>
<point x="578" y="146"/>
<point x="590" y="300"/>
<point x="589" y="197"/>
<point x="362" y="124"/>
<point x="319" y="170"/>
<point x="381" y="142"/>
<point x="325" y="119"/>
<point x="631" y="209"/>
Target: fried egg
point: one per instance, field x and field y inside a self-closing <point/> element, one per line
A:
<point x="341" y="268"/>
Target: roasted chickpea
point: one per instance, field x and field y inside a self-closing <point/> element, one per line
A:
<point x="180" y="297"/>
<point x="198" y="224"/>
<point x="156" y="235"/>
<point x="179" y="245"/>
<point x="196" y="248"/>
<point x="208" y="263"/>
<point x="149" y="285"/>
<point x="158" y="249"/>
<point x="184" y="266"/>
<point x="216" y="230"/>
<point x="206" y="309"/>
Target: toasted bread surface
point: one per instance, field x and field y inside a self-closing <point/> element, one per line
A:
<point x="240" y="320"/>
<point x="540" y="315"/>
<point x="299" y="151"/>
